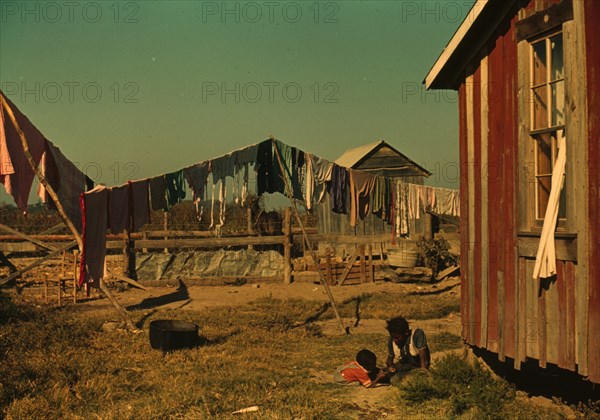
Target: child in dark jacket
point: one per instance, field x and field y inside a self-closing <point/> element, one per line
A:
<point x="363" y="370"/>
<point x="407" y="349"/>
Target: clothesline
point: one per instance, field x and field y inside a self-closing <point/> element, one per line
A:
<point x="354" y="192"/>
<point x="128" y="206"/>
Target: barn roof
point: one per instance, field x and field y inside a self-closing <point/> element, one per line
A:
<point x="382" y="158"/>
<point x="478" y="26"/>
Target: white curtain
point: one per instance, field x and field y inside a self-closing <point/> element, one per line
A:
<point x="545" y="262"/>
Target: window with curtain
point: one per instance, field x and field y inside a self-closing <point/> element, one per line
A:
<point x="547" y="77"/>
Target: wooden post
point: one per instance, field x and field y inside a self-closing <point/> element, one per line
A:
<point x="62" y="265"/>
<point x="287" y="246"/>
<point x="303" y="255"/>
<point x="75" y="276"/>
<point x="118" y="307"/>
<point x="126" y="253"/>
<point x="144" y="236"/>
<point x="308" y="244"/>
<point x="329" y="271"/>
<point x="166" y="226"/>
<point x="363" y="268"/>
<point x="59" y="284"/>
<point x="371" y="266"/>
<point x="249" y="220"/>
<point x="428" y="228"/>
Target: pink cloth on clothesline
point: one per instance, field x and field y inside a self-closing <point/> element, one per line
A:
<point x="15" y="171"/>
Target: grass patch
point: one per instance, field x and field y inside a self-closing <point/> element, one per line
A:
<point x="388" y="305"/>
<point x="444" y="341"/>
<point x="56" y="364"/>
<point x="466" y="386"/>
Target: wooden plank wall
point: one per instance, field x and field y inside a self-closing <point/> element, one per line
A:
<point x="592" y="35"/>
<point x="465" y="216"/>
<point x="503" y="309"/>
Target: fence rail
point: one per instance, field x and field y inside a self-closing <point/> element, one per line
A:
<point x="15" y="246"/>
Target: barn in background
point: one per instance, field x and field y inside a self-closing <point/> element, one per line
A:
<point x="525" y="71"/>
<point x="379" y="158"/>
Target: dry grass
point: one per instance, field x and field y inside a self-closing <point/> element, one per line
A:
<point x="59" y="365"/>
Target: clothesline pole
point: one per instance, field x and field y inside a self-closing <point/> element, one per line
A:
<point x="60" y="208"/>
<point x="307" y="241"/>
<point x="40" y="175"/>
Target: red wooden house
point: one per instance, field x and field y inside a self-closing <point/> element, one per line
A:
<point x="525" y="70"/>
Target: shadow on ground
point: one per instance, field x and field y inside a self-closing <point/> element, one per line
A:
<point x="180" y="294"/>
<point x="552" y="382"/>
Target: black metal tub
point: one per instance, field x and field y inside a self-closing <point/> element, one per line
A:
<point x="170" y="334"/>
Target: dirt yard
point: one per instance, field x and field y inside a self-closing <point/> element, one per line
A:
<point x="290" y="328"/>
<point x="367" y="403"/>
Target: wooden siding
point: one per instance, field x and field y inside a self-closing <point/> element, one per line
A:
<point x="592" y="35"/>
<point x="465" y="312"/>
<point x="386" y="162"/>
<point x="503" y="308"/>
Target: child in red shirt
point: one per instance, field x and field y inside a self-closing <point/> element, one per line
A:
<point x="363" y="370"/>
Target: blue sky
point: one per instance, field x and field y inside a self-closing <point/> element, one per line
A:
<point x="135" y="89"/>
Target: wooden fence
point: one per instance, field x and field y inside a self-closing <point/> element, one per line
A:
<point x="368" y="252"/>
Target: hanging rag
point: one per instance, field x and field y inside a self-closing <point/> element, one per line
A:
<point x="140" y="203"/>
<point x="338" y="189"/>
<point x="380" y="204"/>
<point x="309" y="182"/>
<point x="431" y="199"/>
<point x="15" y="171"/>
<point x="67" y="181"/>
<point x="446" y="202"/>
<point x="414" y="208"/>
<point x="222" y="202"/>
<point x="268" y="172"/>
<point x="389" y="201"/>
<point x="118" y="208"/>
<point x="243" y="158"/>
<point x="197" y="177"/>
<point x="545" y="262"/>
<point x="291" y="159"/>
<point x="222" y="167"/>
<point x="401" y="209"/>
<point x="175" y="187"/>
<point x="298" y="164"/>
<point x="212" y="207"/>
<point x="361" y="188"/>
<point x="322" y="170"/>
<point x="158" y="193"/>
<point x="94" y="208"/>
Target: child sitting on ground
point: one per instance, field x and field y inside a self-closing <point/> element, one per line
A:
<point x="407" y="349"/>
<point x="363" y="370"/>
